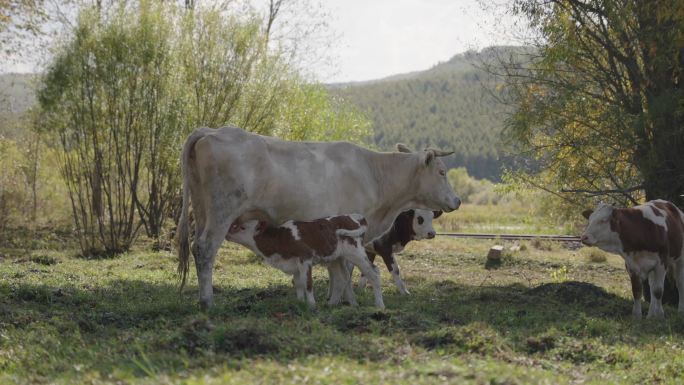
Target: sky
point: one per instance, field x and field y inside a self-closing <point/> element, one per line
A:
<point x="378" y="38"/>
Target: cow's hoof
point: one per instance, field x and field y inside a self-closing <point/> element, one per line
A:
<point x="656" y="315"/>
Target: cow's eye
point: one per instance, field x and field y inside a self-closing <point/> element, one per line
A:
<point x="420" y="220"/>
<point x="442" y="172"/>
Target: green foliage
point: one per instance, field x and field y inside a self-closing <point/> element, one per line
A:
<point x="126" y="90"/>
<point x="471" y="190"/>
<point x="31" y="193"/>
<point x="446" y="107"/>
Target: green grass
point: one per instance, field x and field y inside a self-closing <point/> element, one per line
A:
<point x="504" y="218"/>
<point x="543" y="315"/>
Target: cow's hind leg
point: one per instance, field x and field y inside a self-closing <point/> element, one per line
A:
<point x="656" y="279"/>
<point x="204" y="250"/>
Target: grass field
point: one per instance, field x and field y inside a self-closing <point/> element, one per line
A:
<point x="546" y="314"/>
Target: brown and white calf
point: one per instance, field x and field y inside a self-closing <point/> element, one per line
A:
<point x="410" y="225"/>
<point x="650" y="239"/>
<point x="295" y="246"/>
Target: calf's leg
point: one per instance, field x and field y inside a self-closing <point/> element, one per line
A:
<point x="304" y="283"/>
<point x="679" y="278"/>
<point x="362" y="279"/>
<point x="298" y="285"/>
<point x="656" y="279"/>
<point x="635" y="278"/>
<point x="360" y="259"/>
<point x="393" y="267"/>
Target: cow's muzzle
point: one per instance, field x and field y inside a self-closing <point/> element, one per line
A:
<point x="453" y="206"/>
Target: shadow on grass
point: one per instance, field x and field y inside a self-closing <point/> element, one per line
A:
<point x="148" y="329"/>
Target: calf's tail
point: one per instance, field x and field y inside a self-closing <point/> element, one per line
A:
<point x="352" y="233"/>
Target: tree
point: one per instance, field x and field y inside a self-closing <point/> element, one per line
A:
<point x="598" y="105"/>
<point x="129" y="86"/>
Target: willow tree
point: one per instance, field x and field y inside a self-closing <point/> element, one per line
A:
<point x="130" y="85"/>
<point x="599" y="104"/>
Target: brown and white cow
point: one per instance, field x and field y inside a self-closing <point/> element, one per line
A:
<point x="295" y="246"/>
<point x="650" y="239"/>
<point x="411" y="225"/>
<point x="228" y="172"/>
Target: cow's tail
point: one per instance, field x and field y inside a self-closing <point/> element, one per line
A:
<point x="183" y="230"/>
<point x="352" y="233"/>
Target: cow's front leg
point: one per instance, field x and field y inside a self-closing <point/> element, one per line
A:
<point x="656" y="279"/>
<point x="305" y="283"/>
<point x="340" y="283"/>
<point x="637" y="290"/>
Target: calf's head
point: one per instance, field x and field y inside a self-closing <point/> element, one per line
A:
<point x="422" y="223"/>
<point x="600" y="230"/>
<point x="433" y="188"/>
<point x="244" y="232"/>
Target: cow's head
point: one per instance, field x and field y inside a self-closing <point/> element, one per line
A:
<point x="601" y="229"/>
<point x="434" y="190"/>
<point x="422" y="223"/>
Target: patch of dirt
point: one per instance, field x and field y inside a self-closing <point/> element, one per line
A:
<point x="570" y="291"/>
<point x="244" y="341"/>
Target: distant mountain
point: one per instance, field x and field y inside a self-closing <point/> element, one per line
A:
<point x="447" y="106"/>
<point x="16" y="97"/>
<point x="16" y="92"/>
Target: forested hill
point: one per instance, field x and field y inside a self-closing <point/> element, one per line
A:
<point x="446" y="106"/>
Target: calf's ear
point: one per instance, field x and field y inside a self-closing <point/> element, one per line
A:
<point x="261" y="226"/>
<point x="587" y="213"/>
<point x="436" y="214"/>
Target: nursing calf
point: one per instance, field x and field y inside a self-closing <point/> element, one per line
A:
<point x="650" y="239"/>
<point x="295" y="246"/>
<point x="410" y="225"/>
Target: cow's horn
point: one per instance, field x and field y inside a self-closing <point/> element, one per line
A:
<point x="439" y="152"/>
<point x="401" y="147"/>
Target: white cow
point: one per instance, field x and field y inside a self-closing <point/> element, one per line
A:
<point x="228" y="173"/>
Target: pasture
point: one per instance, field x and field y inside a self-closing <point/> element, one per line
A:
<point x="545" y="314"/>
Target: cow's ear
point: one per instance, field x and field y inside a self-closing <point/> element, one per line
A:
<point x="428" y="157"/>
<point x="436" y="214"/>
<point x="587" y="213"/>
<point x="401" y="147"/>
